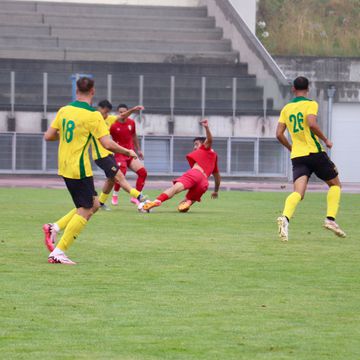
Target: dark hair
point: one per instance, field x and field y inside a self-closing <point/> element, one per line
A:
<point x="301" y="83"/>
<point x="85" y="84"/>
<point x="123" y="106"/>
<point x="200" y="138"/>
<point x="105" y="104"/>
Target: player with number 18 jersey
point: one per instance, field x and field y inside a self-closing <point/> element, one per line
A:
<point x="77" y="123"/>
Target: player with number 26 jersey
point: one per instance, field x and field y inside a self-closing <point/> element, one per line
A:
<point x="294" y="115"/>
<point x="299" y="117"/>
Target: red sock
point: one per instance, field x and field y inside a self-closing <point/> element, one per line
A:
<point x="140" y="182"/>
<point x="163" y="197"/>
<point x="116" y="186"/>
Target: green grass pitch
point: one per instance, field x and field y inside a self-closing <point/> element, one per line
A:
<point x="215" y="283"/>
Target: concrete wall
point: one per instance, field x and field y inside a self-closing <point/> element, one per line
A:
<point x="247" y="10"/>
<point x="341" y="73"/>
<point x="331" y="69"/>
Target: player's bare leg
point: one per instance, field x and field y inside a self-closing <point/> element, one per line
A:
<point x="106" y="189"/>
<point x="167" y="194"/>
<point x="117" y="186"/>
<point x="134" y="193"/>
<point x="333" y="201"/>
<point x="121" y="180"/>
<point x="52" y="229"/>
<point x="50" y="236"/>
<point x="138" y="167"/>
<point x="115" y="195"/>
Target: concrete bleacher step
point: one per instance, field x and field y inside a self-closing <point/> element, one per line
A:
<point x="152" y="56"/>
<point x="155" y="108"/>
<point x="154" y="33"/>
<point x="97" y="43"/>
<point x="126" y="41"/>
<point x="11" y="52"/>
<point x="20" y="18"/>
<point x="186" y="92"/>
<point x="150" y="103"/>
<point x="110" y="20"/>
<point x="165" y="44"/>
<point x="21" y="6"/>
<point x="123" y="10"/>
<point x="135" y="32"/>
<point x="129" y="71"/>
<point x="149" y="90"/>
<point x="32" y="101"/>
<point x="215" y="81"/>
<point x="22" y="29"/>
<point x="215" y="57"/>
<point x="163" y="93"/>
<point x="35" y="41"/>
<point x="100" y="9"/>
<point x="60" y="82"/>
<point x="154" y="45"/>
<point x="126" y="21"/>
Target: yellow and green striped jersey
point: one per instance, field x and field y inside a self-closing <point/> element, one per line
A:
<point x="77" y="123"/>
<point x="97" y="150"/>
<point x="294" y="116"/>
<point x="110" y="120"/>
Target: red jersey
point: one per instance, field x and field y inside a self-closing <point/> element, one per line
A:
<point x="122" y="133"/>
<point x="206" y="159"/>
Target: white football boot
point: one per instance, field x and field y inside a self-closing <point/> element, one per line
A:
<point x="283" y="227"/>
<point x="334" y="227"/>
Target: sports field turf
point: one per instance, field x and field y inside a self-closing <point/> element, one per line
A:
<point x="215" y="283"/>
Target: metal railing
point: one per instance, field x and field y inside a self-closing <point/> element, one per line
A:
<point x="170" y="94"/>
<point x="22" y="153"/>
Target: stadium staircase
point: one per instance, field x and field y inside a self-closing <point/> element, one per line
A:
<point x="125" y="41"/>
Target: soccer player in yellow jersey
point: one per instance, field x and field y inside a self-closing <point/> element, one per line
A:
<point x="299" y="117"/>
<point x="105" y="159"/>
<point x="74" y="126"/>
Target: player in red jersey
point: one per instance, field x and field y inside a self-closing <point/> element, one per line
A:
<point x="123" y="131"/>
<point x="203" y="163"/>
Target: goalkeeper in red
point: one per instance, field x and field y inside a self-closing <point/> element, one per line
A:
<point x="203" y="163"/>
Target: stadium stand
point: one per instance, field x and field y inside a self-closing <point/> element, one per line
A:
<point x="125" y="41"/>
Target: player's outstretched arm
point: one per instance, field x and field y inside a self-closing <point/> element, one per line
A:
<point x="51" y="134"/>
<point x="315" y="128"/>
<point x="280" y="135"/>
<point x="209" y="138"/>
<point x="217" y="179"/>
<point x="137" y="146"/>
<point x="111" y="145"/>
<point x="126" y="114"/>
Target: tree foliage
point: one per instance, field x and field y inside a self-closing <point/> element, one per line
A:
<point x="310" y="27"/>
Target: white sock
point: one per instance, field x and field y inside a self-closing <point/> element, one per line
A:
<point x="56" y="227"/>
<point x="57" y="251"/>
<point x="115" y="193"/>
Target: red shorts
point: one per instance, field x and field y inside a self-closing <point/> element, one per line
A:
<point x="194" y="181"/>
<point x="123" y="162"/>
